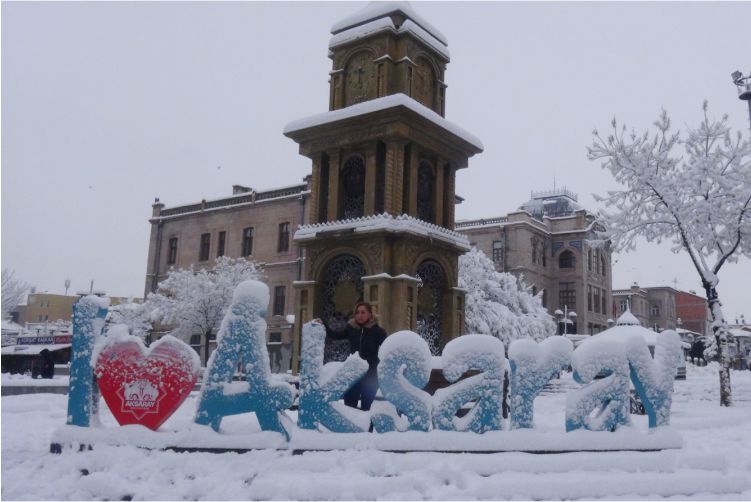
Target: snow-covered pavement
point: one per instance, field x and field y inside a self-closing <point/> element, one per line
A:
<point x="714" y="463"/>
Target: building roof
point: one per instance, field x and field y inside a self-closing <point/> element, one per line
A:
<point x="32" y="350"/>
<point x="378" y="104"/>
<point x="377" y="10"/>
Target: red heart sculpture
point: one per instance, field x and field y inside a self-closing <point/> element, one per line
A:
<point x="146" y="389"/>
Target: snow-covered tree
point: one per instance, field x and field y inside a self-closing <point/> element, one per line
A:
<point x="133" y="315"/>
<point x="698" y="199"/>
<point x="194" y="302"/>
<point x="499" y="305"/>
<point x="13" y="293"/>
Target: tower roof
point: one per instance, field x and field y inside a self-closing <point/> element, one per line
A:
<point x="377" y="10"/>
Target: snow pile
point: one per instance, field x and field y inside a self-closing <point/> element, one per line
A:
<point x="242" y="340"/>
<point x="403" y="371"/>
<point x="532" y="367"/>
<point x="713" y="463"/>
<point x="472" y="352"/>
<point x="322" y="386"/>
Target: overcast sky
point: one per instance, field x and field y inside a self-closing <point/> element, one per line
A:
<point x="106" y="106"/>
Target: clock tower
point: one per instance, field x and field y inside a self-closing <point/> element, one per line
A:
<point x="383" y="181"/>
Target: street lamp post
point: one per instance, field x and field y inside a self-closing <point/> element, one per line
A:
<point x="566" y="317"/>
<point x="744" y="90"/>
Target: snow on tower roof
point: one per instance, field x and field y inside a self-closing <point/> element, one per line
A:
<point x="627" y="319"/>
<point x="385" y="24"/>
<point x="378" y="104"/>
<point x="375" y="10"/>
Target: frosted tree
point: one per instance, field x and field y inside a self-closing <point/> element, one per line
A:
<point x="194" y="302"/>
<point x="133" y="315"/>
<point x="698" y="199"/>
<point x="13" y="292"/>
<point x="499" y="305"/>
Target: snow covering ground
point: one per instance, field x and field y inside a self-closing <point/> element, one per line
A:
<point x="714" y="463"/>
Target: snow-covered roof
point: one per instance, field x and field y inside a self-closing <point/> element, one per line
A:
<point x="627" y="319"/>
<point x="376" y="10"/>
<point x="10" y="326"/>
<point x="386" y="24"/>
<point x="380" y="222"/>
<point x="379" y="104"/>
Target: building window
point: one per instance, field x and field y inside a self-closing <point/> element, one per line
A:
<point x="352" y="188"/>
<point x="604" y="298"/>
<point x="589" y="261"/>
<point x="596" y="301"/>
<point x="567" y="295"/>
<point x="566" y="260"/>
<point x="203" y="253"/>
<point x="602" y="265"/>
<point x="425" y="192"/>
<point x="247" y="248"/>
<point x="589" y="298"/>
<point x="623" y="305"/>
<point x="283" y="244"/>
<point x="498" y="252"/>
<point x="222" y="242"/>
<point x="655" y="310"/>
<point x="172" y="251"/>
<point x="534" y="251"/>
<point x="279" y="300"/>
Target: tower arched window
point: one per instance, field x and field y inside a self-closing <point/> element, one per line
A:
<point x="425" y="192"/>
<point x="567" y="260"/>
<point x="353" y="188"/>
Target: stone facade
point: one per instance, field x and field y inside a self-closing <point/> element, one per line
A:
<point x="384" y="149"/>
<point x="545" y="244"/>
<point x="663" y="307"/>
<point x="257" y="225"/>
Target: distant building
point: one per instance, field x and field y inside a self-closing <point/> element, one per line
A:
<point x="693" y="312"/>
<point x="547" y="242"/>
<point x="255" y="225"/>
<point x="663" y="307"/>
<point x="48" y="307"/>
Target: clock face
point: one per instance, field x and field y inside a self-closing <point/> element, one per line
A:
<point x="424" y="82"/>
<point x="359" y="84"/>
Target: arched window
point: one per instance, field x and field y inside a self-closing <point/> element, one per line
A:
<point x="353" y="188"/>
<point x="342" y="287"/>
<point x="425" y="191"/>
<point x="602" y="264"/>
<point x="429" y="303"/>
<point x="567" y="260"/>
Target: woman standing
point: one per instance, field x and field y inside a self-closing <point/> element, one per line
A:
<point x="365" y="338"/>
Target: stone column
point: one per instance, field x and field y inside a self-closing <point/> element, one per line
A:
<point x="377" y="291"/>
<point x="303" y="313"/>
<point x="450" y="189"/>
<point x="404" y="303"/>
<point x="370" y="179"/>
<point x="439" y="195"/>
<point x="334" y="159"/>
<point x="315" y="189"/>
<point x="413" y="168"/>
<point x="394" y="177"/>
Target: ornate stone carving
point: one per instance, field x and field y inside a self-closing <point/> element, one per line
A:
<point x="359" y="78"/>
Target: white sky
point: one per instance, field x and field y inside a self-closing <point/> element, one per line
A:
<point x="108" y="105"/>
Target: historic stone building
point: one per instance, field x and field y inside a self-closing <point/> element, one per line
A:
<point x="547" y="242"/>
<point x="251" y="224"/>
<point x="663" y="307"/>
<point x="384" y="161"/>
<point x="376" y="215"/>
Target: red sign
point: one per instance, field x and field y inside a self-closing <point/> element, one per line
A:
<point x="145" y="387"/>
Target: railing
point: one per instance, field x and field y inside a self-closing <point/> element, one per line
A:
<point x="245" y="198"/>
<point x="480" y="222"/>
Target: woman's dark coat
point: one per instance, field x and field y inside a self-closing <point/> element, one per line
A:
<point x="365" y="340"/>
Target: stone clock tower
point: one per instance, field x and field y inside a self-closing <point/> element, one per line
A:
<point x="383" y="181"/>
